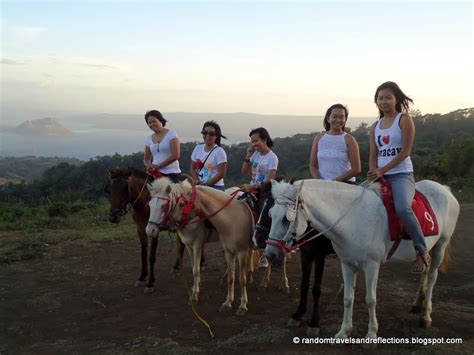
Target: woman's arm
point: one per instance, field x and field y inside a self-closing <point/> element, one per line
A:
<point x="147" y="157"/>
<point x="175" y="153"/>
<point x="313" y="159"/>
<point x="192" y="171"/>
<point x="354" y="158"/>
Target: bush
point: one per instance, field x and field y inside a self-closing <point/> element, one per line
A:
<point x="58" y="209"/>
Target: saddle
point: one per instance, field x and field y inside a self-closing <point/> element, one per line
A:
<point x="421" y="208"/>
<point x="251" y="199"/>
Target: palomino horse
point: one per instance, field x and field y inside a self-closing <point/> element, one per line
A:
<point x="313" y="252"/>
<point x="187" y="206"/>
<point x="355" y="220"/>
<point x="127" y="189"/>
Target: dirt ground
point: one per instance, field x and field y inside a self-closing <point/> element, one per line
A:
<point x="80" y="299"/>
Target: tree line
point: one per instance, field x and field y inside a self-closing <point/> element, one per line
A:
<point x="443" y="151"/>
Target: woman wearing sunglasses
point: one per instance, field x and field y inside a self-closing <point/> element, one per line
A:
<point x="161" y="148"/>
<point x="209" y="160"/>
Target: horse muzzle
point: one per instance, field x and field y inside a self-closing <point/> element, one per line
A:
<point x="274" y="255"/>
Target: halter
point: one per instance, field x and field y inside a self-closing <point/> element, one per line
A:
<point x="187" y="210"/>
<point x="123" y="211"/>
<point x="282" y="243"/>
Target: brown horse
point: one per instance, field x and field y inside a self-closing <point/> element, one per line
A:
<point x="127" y="190"/>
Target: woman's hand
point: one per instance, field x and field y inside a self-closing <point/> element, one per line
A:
<point x="250" y="151"/>
<point x="374" y="174"/>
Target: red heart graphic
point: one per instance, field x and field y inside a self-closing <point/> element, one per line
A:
<point x="386" y="139"/>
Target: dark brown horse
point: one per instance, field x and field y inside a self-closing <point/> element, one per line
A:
<point x="127" y="190"/>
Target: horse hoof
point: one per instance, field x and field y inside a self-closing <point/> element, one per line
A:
<point x="225" y="308"/>
<point x="139" y="283"/>
<point x="312" y="331"/>
<point x="293" y="323"/>
<point x="241" y="312"/>
<point x="286" y="290"/>
<point x="264" y="286"/>
<point x="149" y="290"/>
<point x="415" y="309"/>
<point x="424" y="323"/>
<point x="341" y="334"/>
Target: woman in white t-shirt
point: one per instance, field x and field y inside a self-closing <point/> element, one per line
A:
<point x="335" y="154"/>
<point x="259" y="160"/>
<point x="161" y="148"/>
<point x="209" y="160"/>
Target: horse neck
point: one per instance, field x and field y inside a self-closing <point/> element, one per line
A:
<point x="326" y="203"/>
<point x="138" y="192"/>
<point x="210" y="201"/>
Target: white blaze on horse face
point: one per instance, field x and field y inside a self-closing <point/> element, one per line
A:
<point x="278" y="230"/>
<point x="156" y="216"/>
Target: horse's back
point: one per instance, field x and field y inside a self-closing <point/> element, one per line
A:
<point x="444" y="204"/>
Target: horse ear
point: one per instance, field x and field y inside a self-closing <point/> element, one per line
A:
<point x="149" y="187"/>
<point x="292" y="181"/>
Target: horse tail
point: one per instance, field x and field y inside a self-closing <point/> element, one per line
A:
<point x="446" y="258"/>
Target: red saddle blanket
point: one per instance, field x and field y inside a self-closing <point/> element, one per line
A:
<point x="421" y="207"/>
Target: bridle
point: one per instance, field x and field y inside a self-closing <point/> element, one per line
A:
<point x="125" y="209"/>
<point x="291" y="241"/>
<point x="188" y="209"/>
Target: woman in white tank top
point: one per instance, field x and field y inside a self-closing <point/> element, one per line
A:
<point x="391" y="141"/>
<point x="335" y="154"/>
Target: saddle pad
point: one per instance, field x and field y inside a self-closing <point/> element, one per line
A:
<point x="421" y="208"/>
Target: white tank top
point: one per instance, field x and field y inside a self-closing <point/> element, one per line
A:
<point x="333" y="157"/>
<point x="389" y="144"/>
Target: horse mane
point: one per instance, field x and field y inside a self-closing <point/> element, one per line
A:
<point x="125" y="172"/>
<point x="279" y="188"/>
<point x="159" y="186"/>
<point x="375" y="187"/>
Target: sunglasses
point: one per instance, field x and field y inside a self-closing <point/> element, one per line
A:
<point x="207" y="133"/>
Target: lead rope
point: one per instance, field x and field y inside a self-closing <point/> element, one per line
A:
<point x="185" y="282"/>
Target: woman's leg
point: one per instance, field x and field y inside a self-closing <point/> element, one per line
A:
<point x="403" y="191"/>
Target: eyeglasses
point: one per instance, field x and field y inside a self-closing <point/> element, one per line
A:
<point x="207" y="133"/>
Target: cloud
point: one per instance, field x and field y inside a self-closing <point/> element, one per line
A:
<point x="99" y="66"/>
<point x="10" y="62"/>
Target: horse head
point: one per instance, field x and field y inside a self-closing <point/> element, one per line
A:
<point x="118" y="191"/>
<point x="284" y="226"/>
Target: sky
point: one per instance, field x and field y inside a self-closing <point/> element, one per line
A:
<point x="268" y="57"/>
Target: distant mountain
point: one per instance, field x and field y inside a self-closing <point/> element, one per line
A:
<point x="43" y="127"/>
<point x="14" y="169"/>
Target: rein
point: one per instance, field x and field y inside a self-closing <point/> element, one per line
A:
<point x="281" y="243"/>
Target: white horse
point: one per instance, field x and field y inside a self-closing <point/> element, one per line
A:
<point x="355" y="220"/>
<point x="233" y="227"/>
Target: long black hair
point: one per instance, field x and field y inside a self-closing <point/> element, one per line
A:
<point x="218" y="130"/>
<point x="263" y="134"/>
<point x="327" y="126"/>
<point x="403" y="101"/>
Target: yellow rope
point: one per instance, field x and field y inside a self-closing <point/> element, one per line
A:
<point x="185" y="282"/>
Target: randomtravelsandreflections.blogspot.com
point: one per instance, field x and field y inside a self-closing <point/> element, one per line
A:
<point x="379" y="340"/>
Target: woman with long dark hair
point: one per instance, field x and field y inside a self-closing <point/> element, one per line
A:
<point x="391" y="141"/>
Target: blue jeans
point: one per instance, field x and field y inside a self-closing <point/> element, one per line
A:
<point x="403" y="191"/>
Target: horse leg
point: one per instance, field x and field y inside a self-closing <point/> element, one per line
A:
<point x="202" y="258"/>
<point x="243" y="260"/>
<point x="141" y="281"/>
<point x="150" y="287"/>
<point x="197" y="252"/>
<point x="350" y="277"/>
<point x="227" y="305"/>
<point x="371" y="272"/>
<point x="177" y="266"/>
<point x="438" y="254"/>
<point x="266" y="277"/>
<point x="306" y="264"/>
<point x="417" y="306"/>
<point x="313" y="326"/>
<point x="251" y="266"/>
<point x="284" y="278"/>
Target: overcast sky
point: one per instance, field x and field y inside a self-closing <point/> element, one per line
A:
<point x="270" y="57"/>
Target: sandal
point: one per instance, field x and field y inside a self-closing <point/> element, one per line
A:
<point x="422" y="263"/>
